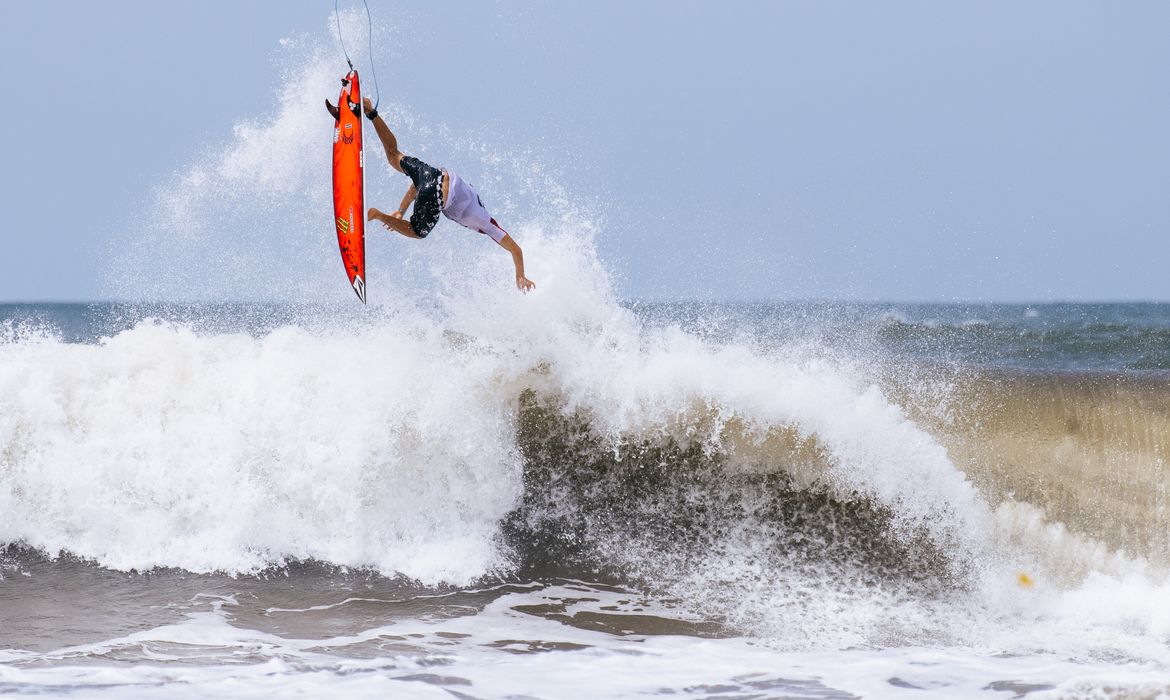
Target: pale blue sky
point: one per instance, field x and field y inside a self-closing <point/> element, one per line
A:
<point x="891" y="151"/>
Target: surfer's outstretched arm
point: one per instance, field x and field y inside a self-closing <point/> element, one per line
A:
<point x="512" y="247"/>
<point x="389" y="142"/>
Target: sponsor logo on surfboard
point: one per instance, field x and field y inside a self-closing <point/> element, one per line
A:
<point x="342" y="225"/>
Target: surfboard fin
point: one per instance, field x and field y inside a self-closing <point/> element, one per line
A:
<point x="333" y="110"/>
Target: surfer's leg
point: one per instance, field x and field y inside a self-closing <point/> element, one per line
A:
<point x="400" y="225"/>
<point x="389" y="142"/>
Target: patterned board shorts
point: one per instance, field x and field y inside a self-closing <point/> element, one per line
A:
<point x="428" y="204"/>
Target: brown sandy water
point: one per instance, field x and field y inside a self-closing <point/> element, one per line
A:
<point x="1091" y="450"/>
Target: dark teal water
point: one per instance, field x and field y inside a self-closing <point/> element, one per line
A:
<point x="1130" y="337"/>
<point x="1058" y="336"/>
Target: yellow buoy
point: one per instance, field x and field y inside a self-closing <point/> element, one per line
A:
<point x="1024" y="580"/>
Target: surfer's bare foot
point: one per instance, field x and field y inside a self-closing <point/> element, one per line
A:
<point x="374" y="214"/>
<point x="371" y="113"/>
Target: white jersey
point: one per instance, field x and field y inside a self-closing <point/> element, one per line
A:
<point x="464" y="207"/>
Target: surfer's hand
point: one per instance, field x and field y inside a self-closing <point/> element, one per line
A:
<point x="524" y="284"/>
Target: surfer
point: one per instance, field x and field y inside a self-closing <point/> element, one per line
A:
<point x="436" y="190"/>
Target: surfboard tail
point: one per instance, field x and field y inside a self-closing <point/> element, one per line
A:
<point x="359" y="286"/>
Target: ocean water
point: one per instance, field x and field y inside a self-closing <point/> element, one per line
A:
<point x="462" y="491"/>
<point x="639" y="499"/>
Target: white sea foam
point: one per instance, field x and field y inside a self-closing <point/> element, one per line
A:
<point x="392" y="443"/>
<point x="469" y="655"/>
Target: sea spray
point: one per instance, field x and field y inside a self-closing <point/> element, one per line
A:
<point x="162" y="448"/>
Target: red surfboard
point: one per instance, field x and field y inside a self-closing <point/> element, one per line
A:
<point x="349" y="185"/>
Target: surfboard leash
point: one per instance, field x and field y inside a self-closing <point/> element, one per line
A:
<point x="341" y="39"/>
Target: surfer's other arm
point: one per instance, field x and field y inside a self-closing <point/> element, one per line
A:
<point x="510" y="245"/>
